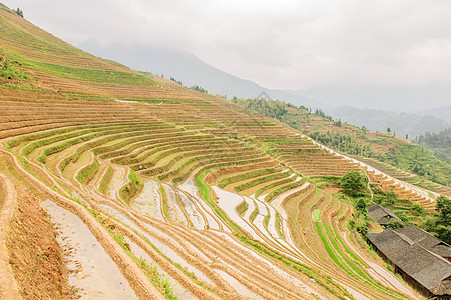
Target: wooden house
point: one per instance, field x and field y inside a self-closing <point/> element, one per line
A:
<point x="420" y="258"/>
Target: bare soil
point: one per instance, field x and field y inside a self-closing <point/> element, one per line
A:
<point x="35" y="255"/>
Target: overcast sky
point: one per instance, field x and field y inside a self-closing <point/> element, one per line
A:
<point x="288" y="44"/>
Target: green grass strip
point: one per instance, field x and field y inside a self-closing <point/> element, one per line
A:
<point x="329" y="249"/>
<point x="261" y="180"/>
<point x="273" y="185"/>
<point x="316" y="215"/>
<point x="134" y="185"/>
<point x="352" y="254"/>
<point x="278" y="225"/>
<point x="283" y="189"/>
<point x="87" y="172"/>
<point x="106" y="180"/>
<point x="254" y="213"/>
<point x="242" y="208"/>
<point x="229" y="180"/>
<point x="164" y="200"/>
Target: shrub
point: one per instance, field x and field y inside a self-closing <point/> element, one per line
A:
<point x="353" y="183"/>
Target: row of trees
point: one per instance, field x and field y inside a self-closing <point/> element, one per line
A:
<point x="19" y="12"/>
<point x="198" y="88"/>
<point x="322" y="114"/>
<point x="275" y="109"/>
<point x="193" y="87"/>
<point x="343" y="142"/>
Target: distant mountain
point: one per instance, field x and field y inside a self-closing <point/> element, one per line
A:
<point x="393" y="97"/>
<point x="443" y="112"/>
<point x="399" y="123"/>
<point x="189" y="69"/>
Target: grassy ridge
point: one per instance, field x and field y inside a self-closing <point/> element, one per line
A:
<point x="282" y="189"/>
<point x="254" y="213"/>
<point x="134" y="185"/>
<point x="233" y="179"/>
<point x="87" y="172"/>
<point x="261" y="180"/>
<point x="272" y="185"/>
<point x="106" y="180"/>
<point x="242" y="208"/>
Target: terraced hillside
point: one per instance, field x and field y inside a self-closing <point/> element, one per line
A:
<point x="429" y="171"/>
<point x="156" y="191"/>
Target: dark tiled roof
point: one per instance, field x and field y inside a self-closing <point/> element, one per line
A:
<point x="426" y="267"/>
<point x="427" y="240"/>
<point x="382" y="215"/>
<point x="406" y="248"/>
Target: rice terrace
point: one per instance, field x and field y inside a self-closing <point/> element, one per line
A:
<point x="119" y="184"/>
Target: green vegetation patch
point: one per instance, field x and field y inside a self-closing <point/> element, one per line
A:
<point x="106" y="180"/>
<point x="242" y="208"/>
<point x="278" y="225"/>
<point x="134" y="186"/>
<point x="233" y="179"/>
<point x="261" y="180"/>
<point x="118" y="77"/>
<point x="87" y="172"/>
<point x="283" y="189"/>
<point x="316" y="215"/>
<point x="254" y="213"/>
<point x="9" y="70"/>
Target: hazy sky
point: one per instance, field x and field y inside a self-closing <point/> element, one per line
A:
<point x="288" y="44"/>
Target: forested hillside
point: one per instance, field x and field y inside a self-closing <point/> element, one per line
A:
<point x="438" y="143"/>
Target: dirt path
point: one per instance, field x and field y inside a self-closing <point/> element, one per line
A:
<point x="8" y="285"/>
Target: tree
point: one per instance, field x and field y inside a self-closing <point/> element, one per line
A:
<point x="443" y="208"/>
<point x="440" y="224"/>
<point x="19" y="12"/>
<point x="388" y="129"/>
<point x="361" y="206"/>
<point x="353" y="183"/>
<point x="395" y="224"/>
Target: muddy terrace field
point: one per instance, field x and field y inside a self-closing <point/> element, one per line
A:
<point x="120" y="185"/>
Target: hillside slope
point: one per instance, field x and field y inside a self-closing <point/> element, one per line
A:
<point x="163" y="192"/>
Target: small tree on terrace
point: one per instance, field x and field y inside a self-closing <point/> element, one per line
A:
<point x="443" y="208"/>
<point x="353" y="183"/>
<point x="440" y="224"/>
<point x="19" y="12"/>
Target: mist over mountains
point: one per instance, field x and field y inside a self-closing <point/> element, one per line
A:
<point x="189" y="69"/>
<point x="406" y="110"/>
<point x="379" y="120"/>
